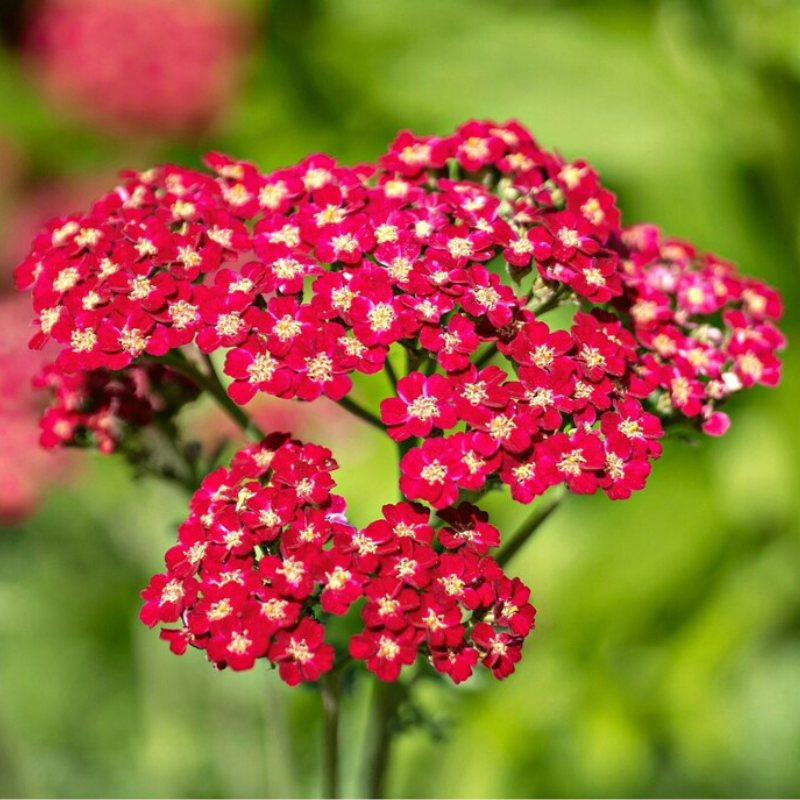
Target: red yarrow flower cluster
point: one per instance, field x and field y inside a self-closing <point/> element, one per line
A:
<point x="267" y="554"/>
<point x="401" y="255"/>
<point x="444" y="255"/>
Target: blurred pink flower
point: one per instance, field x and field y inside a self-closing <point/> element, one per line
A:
<point x="26" y="470"/>
<point x="28" y="210"/>
<point x="152" y="66"/>
<point x="211" y="426"/>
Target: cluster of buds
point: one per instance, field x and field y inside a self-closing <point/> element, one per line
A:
<point x="102" y="409"/>
<point x="157" y="66"/>
<point x="267" y="552"/>
<point x="445" y="255"/>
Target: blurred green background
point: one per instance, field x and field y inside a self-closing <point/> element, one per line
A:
<point x="666" y="660"/>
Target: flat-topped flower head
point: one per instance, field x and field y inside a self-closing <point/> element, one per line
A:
<point x="259" y="565"/>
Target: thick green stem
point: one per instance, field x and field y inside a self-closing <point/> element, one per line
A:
<point x="430" y="366"/>
<point x="385" y="701"/>
<point x="189" y="478"/>
<point x="211" y="383"/>
<point x="362" y="413"/>
<point x="486" y="356"/>
<point x="549" y="304"/>
<point x="402" y="448"/>
<point x="331" y="697"/>
<point x="391" y="374"/>
<point x="528" y="528"/>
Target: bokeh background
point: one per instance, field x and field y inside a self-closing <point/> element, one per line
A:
<point x="666" y="660"/>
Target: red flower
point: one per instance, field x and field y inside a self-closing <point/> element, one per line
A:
<point x="237" y="643"/>
<point x="411" y="564"/>
<point x="291" y="576"/>
<point x="421" y="404"/>
<point x="317" y="270"/>
<point x="385" y="652"/>
<point x="409" y="154"/>
<point x="575" y="459"/>
<point x="316" y="362"/>
<point x="408" y="522"/>
<point x="301" y="654"/>
<point x="626" y="468"/>
<point x="457" y="662"/>
<point x="254" y="369"/>
<point x="389" y="602"/>
<point x="485" y="295"/>
<point x="453" y="346"/>
<point x="476" y="390"/>
<point x="165" y="598"/>
<point x="345" y="242"/>
<point x="500" y="650"/>
<point x="508" y="605"/>
<point x="441" y="620"/>
<point x="551" y="390"/>
<point x="469" y="528"/>
<point x="478" y="145"/>
<point x="631" y="422"/>
<point x="571" y="234"/>
<point x="536" y="346"/>
<point x="431" y="473"/>
<point x="341" y="582"/>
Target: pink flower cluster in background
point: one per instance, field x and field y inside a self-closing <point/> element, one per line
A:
<point x="152" y="66"/>
<point x="25" y="470"/>
<point x="438" y="262"/>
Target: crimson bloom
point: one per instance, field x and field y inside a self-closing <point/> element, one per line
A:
<point x="421" y="404"/>
<point x="301" y="654"/>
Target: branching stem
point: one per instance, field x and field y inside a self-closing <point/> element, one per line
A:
<point x="362" y="413"/>
<point x="548" y="305"/>
<point x="528" y="528"/>
<point x="486" y="356"/>
<point x="210" y="381"/>
<point x="390" y="373"/>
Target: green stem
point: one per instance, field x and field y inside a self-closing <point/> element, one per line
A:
<point x="331" y="697"/>
<point x="430" y="366"/>
<point x="402" y="448"/>
<point x="550" y="303"/>
<point x="385" y="701"/>
<point x="528" y="528"/>
<point x="190" y="479"/>
<point x="211" y="383"/>
<point x="486" y="356"/>
<point x="362" y="413"/>
<point x="391" y="374"/>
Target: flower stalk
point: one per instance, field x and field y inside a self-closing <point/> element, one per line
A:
<point x="210" y="382"/>
<point x="362" y="413"/>
<point x="330" y="690"/>
<point x="385" y="702"/>
<point x="529" y="527"/>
